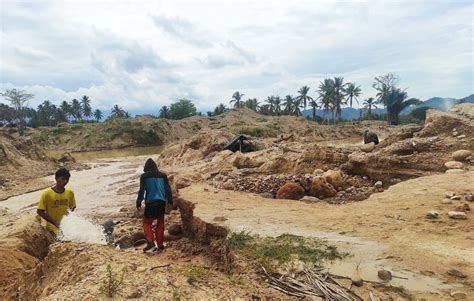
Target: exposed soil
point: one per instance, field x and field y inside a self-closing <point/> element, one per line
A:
<point x="374" y="206"/>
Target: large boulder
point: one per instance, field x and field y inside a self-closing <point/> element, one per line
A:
<point x="290" y="190"/>
<point x="453" y="165"/>
<point x="367" y="148"/>
<point x="461" y="155"/>
<point x="320" y="188"/>
<point x="334" y="177"/>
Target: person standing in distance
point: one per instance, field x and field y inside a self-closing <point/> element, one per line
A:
<point x="156" y="190"/>
<point x="56" y="201"/>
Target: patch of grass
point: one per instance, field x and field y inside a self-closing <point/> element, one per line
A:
<point x="194" y="273"/>
<point x="275" y="252"/>
<point x="261" y="119"/>
<point x="240" y="239"/>
<point x="111" y="285"/>
<point x="77" y="127"/>
<point x="258" y="131"/>
<point x="58" y="131"/>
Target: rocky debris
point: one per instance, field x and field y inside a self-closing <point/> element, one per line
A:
<point x="320" y="188"/>
<point x="455" y="197"/>
<point x="461" y="136"/>
<point x="457" y="295"/>
<point x="463" y="208"/>
<point x="453" y="165"/>
<point x="469" y="197"/>
<point x="432" y="214"/>
<point x="357" y="281"/>
<point x="455" y="171"/>
<point x="334" y="177"/>
<point x="384" y="275"/>
<point x="367" y="148"/>
<point x="457" y="215"/>
<point x="378" y="184"/>
<point x="292" y="191"/>
<point x="175" y="229"/>
<point x="449" y="194"/>
<point x="182" y="182"/>
<point x="318" y="172"/>
<point x="310" y="199"/>
<point x="461" y="155"/>
<point x="456" y="273"/>
<point x="219" y="219"/>
<point x="446" y="201"/>
<point x="66" y="157"/>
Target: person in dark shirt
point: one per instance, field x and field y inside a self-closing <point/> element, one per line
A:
<point x="155" y="189"/>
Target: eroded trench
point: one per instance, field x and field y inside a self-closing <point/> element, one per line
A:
<point x="35" y="266"/>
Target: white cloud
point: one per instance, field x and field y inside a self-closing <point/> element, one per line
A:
<point x="144" y="54"/>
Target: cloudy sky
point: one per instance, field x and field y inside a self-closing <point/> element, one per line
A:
<point x="146" y="54"/>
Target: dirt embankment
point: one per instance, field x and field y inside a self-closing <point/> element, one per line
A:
<point x="404" y="153"/>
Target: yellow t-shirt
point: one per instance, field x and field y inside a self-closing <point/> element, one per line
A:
<point x="56" y="205"/>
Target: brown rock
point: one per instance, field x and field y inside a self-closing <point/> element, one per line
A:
<point x="320" y="188"/>
<point x="461" y="155"/>
<point x="453" y="165"/>
<point x="290" y="191"/>
<point x="333" y="177"/>
<point x="367" y="148"/>
<point x="384" y="275"/>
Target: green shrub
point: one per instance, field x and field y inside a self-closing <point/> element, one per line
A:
<point x="110" y="285"/>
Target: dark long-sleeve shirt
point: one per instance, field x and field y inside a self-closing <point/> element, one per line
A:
<point x="154" y="186"/>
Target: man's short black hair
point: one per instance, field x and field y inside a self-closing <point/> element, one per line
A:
<point x="62" y="172"/>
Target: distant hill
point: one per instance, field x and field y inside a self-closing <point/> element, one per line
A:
<point x="438" y="103"/>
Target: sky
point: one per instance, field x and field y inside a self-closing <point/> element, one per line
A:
<point x="143" y="55"/>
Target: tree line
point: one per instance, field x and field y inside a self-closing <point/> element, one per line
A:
<point x="49" y="114"/>
<point x="332" y="95"/>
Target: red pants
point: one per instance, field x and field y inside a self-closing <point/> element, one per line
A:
<point x="159" y="229"/>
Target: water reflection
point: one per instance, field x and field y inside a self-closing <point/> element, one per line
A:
<point x="110" y="153"/>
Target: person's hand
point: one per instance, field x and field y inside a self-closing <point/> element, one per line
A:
<point x="139" y="206"/>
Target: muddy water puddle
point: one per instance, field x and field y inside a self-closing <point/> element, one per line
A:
<point x="112" y="153"/>
<point x="365" y="260"/>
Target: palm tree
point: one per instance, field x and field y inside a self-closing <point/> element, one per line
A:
<point x="288" y="104"/>
<point x="236" y="99"/>
<point x="369" y="104"/>
<point x="76" y="110"/>
<point x="86" y="106"/>
<point x="397" y="101"/>
<point x="66" y="109"/>
<point x="338" y="96"/>
<point x="118" y="112"/>
<point x="164" y="112"/>
<point x="303" y="97"/>
<point x="277" y="105"/>
<point x="271" y="104"/>
<point x="352" y="92"/>
<point x="252" y="104"/>
<point x="326" y="92"/>
<point x="98" y="115"/>
<point x="314" y="105"/>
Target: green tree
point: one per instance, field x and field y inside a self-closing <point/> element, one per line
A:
<point x="98" y="115"/>
<point x="164" y="112"/>
<point x="419" y="113"/>
<point x="369" y="103"/>
<point x="288" y="105"/>
<point x="76" y="110"/>
<point x="338" y="96"/>
<point x="303" y="98"/>
<point x="326" y="91"/>
<point x="182" y="108"/>
<point x="314" y="104"/>
<point x="86" y="108"/>
<point x="18" y="100"/>
<point x="237" y="99"/>
<point x="66" y="109"/>
<point x="118" y="112"/>
<point x="7" y="114"/>
<point x="352" y="92"/>
<point x="252" y="104"/>
<point x="396" y="101"/>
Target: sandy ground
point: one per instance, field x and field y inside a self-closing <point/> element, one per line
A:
<point x="389" y="230"/>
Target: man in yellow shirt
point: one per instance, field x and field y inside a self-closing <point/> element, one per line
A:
<point x="56" y="201"/>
